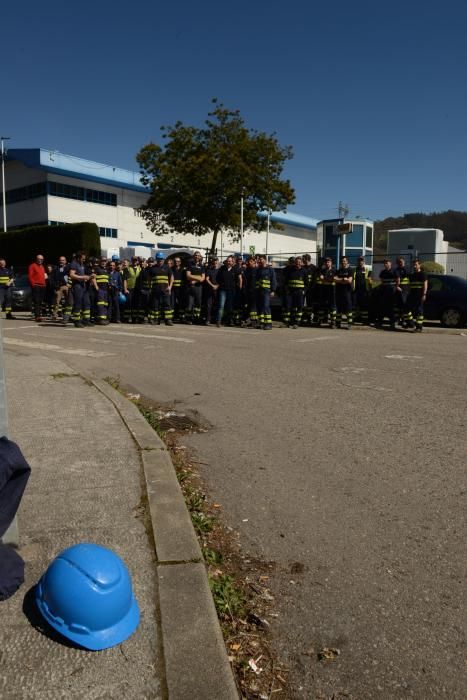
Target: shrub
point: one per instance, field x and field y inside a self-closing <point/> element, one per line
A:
<point x="21" y="246"/>
<point x="433" y="267"/>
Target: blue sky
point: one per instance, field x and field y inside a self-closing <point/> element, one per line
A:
<point x="371" y="95"/>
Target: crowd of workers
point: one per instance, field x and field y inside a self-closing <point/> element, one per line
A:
<point x="236" y="292"/>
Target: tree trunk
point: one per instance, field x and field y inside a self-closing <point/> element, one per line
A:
<point x="213" y="242"/>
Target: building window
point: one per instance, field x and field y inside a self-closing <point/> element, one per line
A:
<point x="99" y="197"/>
<point x="369" y="237"/>
<point x="108" y="232"/>
<point x="59" y="189"/>
<point x="354" y="239"/>
<point x="352" y="255"/>
<point x="21" y="194"/>
<point x="330" y="237"/>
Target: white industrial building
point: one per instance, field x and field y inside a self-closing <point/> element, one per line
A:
<point x="427" y="244"/>
<point x="47" y="187"/>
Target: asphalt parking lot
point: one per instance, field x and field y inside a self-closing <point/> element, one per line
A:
<point x="340" y="451"/>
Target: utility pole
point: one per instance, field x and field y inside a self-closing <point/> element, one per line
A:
<point x="342" y="210"/>
<point x="3" y="139"/>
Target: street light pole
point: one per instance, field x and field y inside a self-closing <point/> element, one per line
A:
<point x="267" y="234"/>
<point x="2" y="139"/>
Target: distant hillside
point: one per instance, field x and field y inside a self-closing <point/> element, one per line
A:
<point x="453" y="223"/>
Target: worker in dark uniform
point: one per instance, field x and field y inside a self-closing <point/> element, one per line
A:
<point x="6" y="280"/>
<point x="387" y="295"/>
<point x="80" y="277"/>
<point x="317" y="295"/>
<point x="100" y="284"/>
<point x="344" y="279"/>
<point x="327" y="310"/>
<point x="90" y="269"/>
<point x="226" y="291"/>
<point x="361" y="287"/>
<point x="402" y="291"/>
<point x="249" y="279"/>
<point x="178" y="291"/>
<point x="310" y="271"/>
<point x="59" y="281"/>
<point x="266" y="285"/>
<point x="239" y="296"/>
<point x="161" y="287"/>
<point x="296" y="282"/>
<point x="210" y="288"/>
<point x="143" y="290"/>
<point x="195" y="276"/>
<point x="284" y="291"/>
<point x="115" y="289"/>
<point x="418" y="287"/>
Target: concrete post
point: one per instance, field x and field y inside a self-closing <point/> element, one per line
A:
<point x="11" y="536"/>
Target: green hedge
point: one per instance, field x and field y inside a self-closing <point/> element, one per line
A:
<point x="20" y="246"/>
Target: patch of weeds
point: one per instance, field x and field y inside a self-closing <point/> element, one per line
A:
<point x="229" y="599"/>
<point x="183" y="475"/>
<point x="195" y="500"/>
<point x="212" y="556"/>
<point x="151" y="418"/>
<point x="202" y="523"/>
<point x="114" y="382"/>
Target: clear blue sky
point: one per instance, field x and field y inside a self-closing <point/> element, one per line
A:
<point x="371" y="94"/>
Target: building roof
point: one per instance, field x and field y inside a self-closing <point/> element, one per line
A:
<point x="72" y="166"/>
<point x="290" y="219"/>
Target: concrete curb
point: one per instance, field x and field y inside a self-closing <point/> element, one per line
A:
<point x="195" y="657"/>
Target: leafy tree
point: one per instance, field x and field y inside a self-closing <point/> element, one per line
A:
<point x="199" y="175"/>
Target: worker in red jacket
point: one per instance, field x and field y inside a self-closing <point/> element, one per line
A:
<point x="37" y="277"/>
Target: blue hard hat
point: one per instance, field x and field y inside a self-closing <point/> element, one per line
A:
<point x="160" y="256"/>
<point x="122" y="298"/>
<point x="86" y="595"/>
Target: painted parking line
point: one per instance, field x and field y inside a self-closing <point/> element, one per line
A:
<point x="314" y="340"/>
<point x="56" y="348"/>
<point x="138" y="335"/>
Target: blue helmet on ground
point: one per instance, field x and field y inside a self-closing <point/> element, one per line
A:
<point x="86" y="596"/>
<point x="160" y="256"/>
<point x="122" y="298"/>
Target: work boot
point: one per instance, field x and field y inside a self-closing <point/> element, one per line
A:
<point x="169" y="323"/>
<point x="10" y="316"/>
